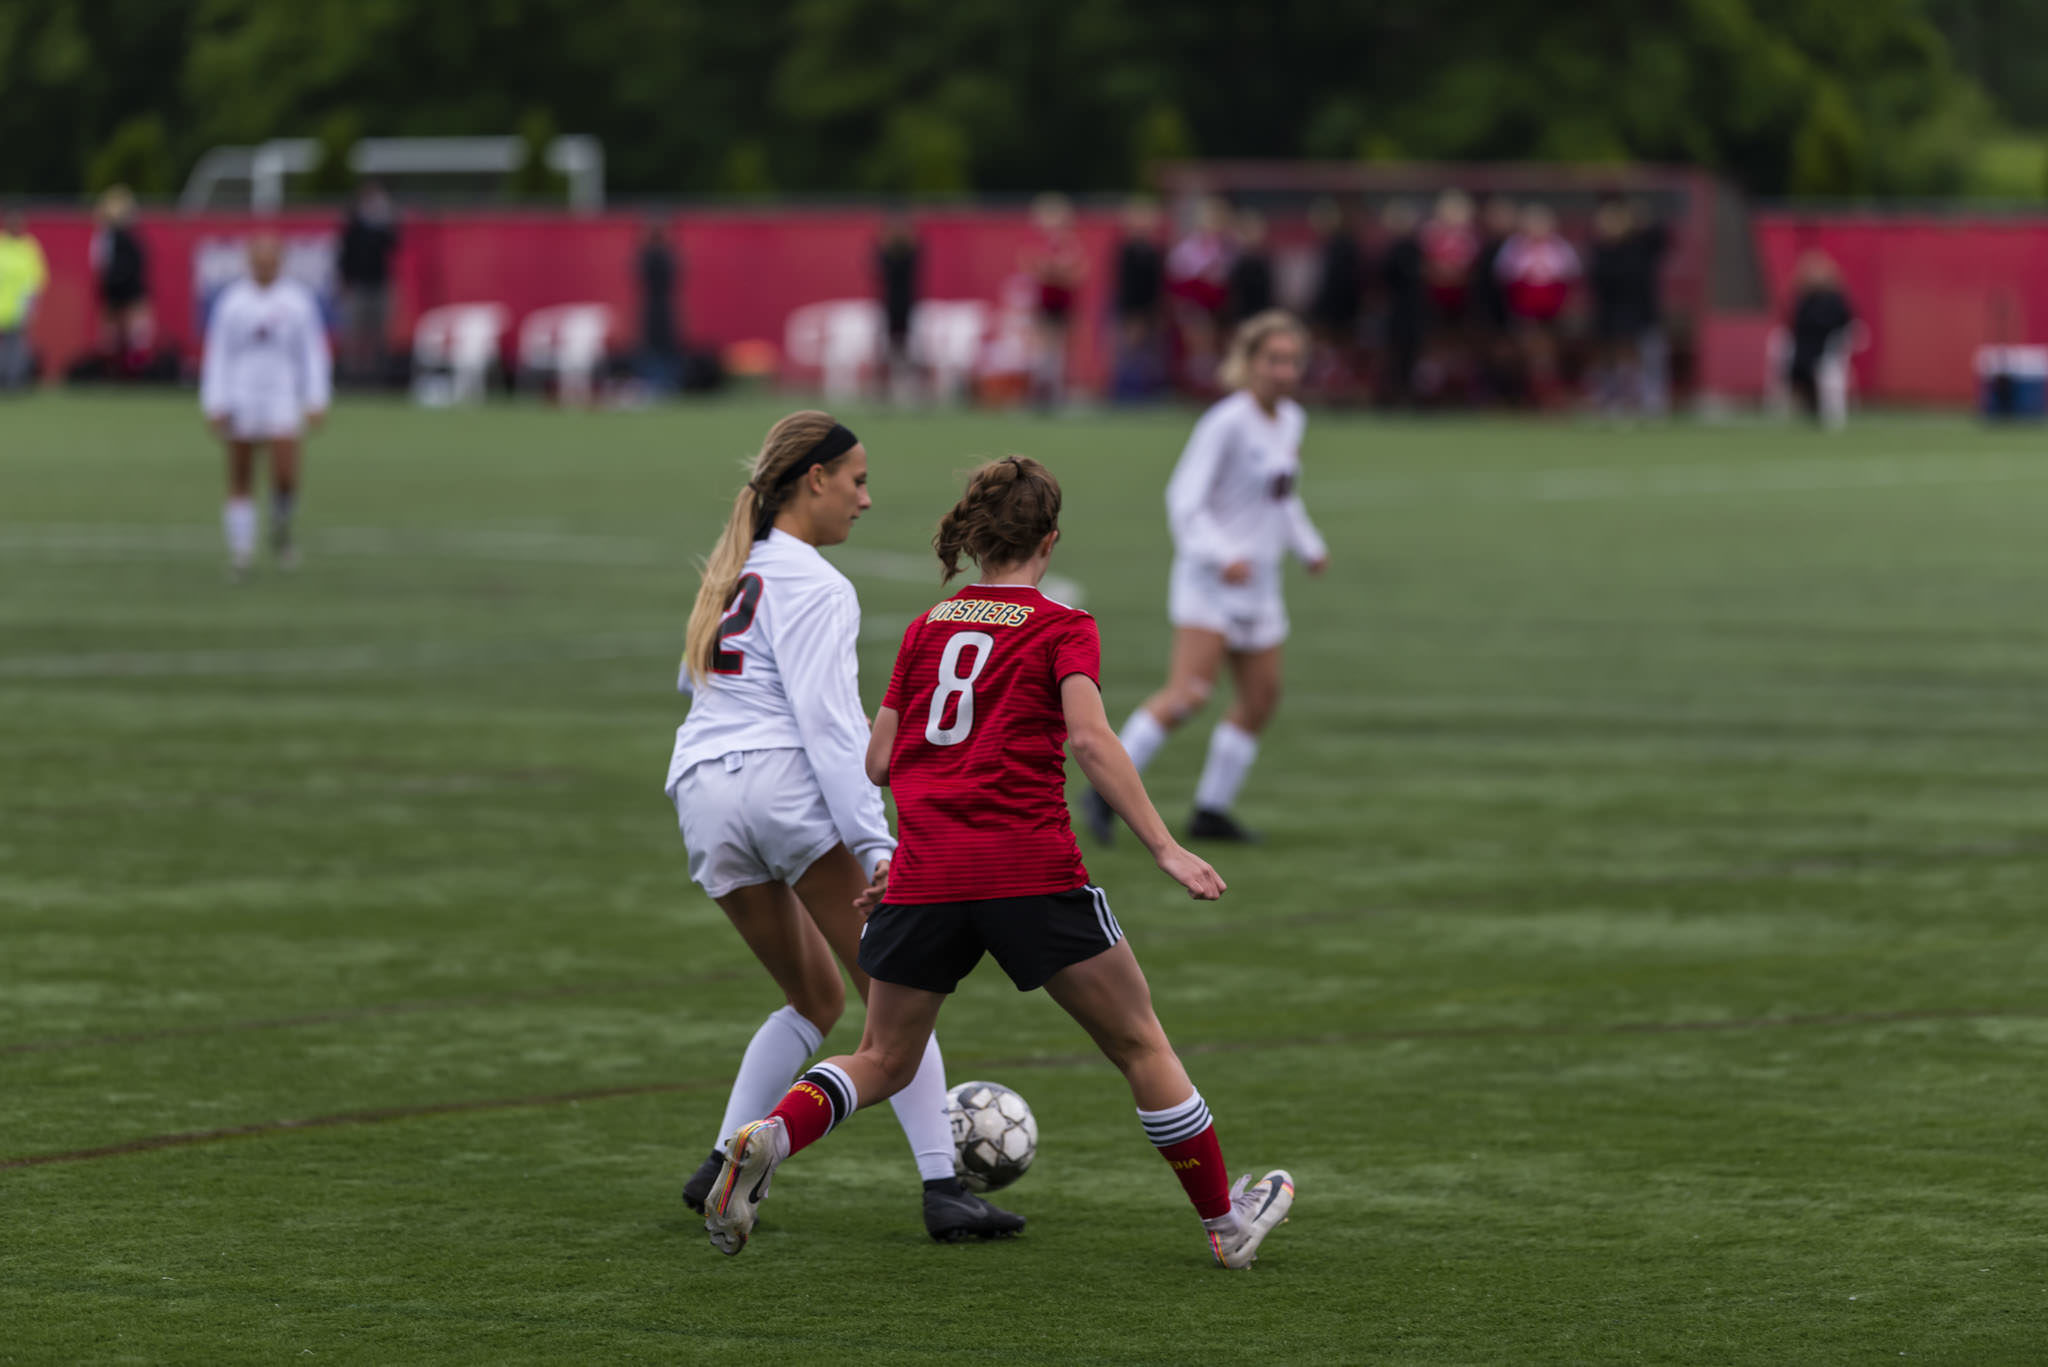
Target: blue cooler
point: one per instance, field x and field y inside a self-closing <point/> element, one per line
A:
<point x="2012" y="382"/>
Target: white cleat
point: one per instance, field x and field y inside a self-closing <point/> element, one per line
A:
<point x="1256" y="1210"/>
<point x="751" y="1158"/>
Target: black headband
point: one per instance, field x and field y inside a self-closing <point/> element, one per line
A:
<point x="830" y="447"/>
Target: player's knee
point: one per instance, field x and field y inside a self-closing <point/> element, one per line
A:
<point x="821" y="1003"/>
<point x="1184" y="698"/>
<point x="897" y="1065"/>
<point x="1133" y="1046"/>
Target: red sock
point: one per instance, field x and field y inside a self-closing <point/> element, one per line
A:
<point x="817" y="1101"/>
<point x="1198" y="1163"/>
<point x="1186" y="1139"/>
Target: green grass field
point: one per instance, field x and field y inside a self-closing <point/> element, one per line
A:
<point x="1646" y="966"/>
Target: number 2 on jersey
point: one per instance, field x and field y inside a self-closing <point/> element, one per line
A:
<point x="954" y="684"/>
<point x="746" y="600"/>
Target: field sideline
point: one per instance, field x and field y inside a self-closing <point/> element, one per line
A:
<point x="1645" y="965"/>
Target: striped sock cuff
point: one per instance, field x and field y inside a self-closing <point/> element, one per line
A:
<point x="809" y="1034"/>
<point x="838" y="1088"/>
<point x="1176" y="1124"/>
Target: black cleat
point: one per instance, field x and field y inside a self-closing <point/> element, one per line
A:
<point x="954" y="1215"/>
<point x="1209" y="824"/>
<point x="698" y="1189"/>
<point x="1100" y="820"/>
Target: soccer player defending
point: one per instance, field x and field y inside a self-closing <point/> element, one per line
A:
<point x="266" y="377"/>
<point x="1235" y="512"/>
<point x="987" y="689"/>
<point x="783" y="828"/>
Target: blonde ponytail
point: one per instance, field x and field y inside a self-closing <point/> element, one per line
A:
<point x="753" y="513"/>
<point x="714" y="590"/>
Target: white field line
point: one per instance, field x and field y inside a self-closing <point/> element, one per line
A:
<point x="396" y="657"/>
<point x="1837" y="474"/>
<point x="99" y="542"/>
<point x="384" y="658"/>
<point x="118" y="541"/>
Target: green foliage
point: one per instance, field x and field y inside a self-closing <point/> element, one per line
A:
<point x="1845" y="96"/>
<point x="1827" y="154"/>
<point x="535" y="179"/>
<point x="1162" y="135"/>
<point x="333" y="177"/>
<point x="138" y="155"/>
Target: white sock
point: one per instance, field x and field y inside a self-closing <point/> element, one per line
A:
<point x="777" y="1053"/>
<point x="1142" y="736"/>
<point x="238" y="522"/>
<point x="1231" y="752"/>
<point x="921" y="1111"/>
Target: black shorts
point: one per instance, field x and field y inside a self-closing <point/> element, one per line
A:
<point x="933" y="945"/>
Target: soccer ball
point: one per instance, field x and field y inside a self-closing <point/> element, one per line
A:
<point x="995" y="1136"/>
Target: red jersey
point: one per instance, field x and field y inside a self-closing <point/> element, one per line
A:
<point x="979" y="767"/>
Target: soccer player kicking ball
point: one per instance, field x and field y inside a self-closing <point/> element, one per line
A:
<point x="265" y="378"/>
<point x="988" y="687"/>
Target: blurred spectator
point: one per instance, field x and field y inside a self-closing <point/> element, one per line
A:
<point x="1248" y="288"/>
<point x="1823" y="328"/>
<point x="1197" y="281"/>
<point x="1538" y="268"/>
<point x="1140" y="295"/>
<point x="23" y="273"/>
<point x="1340" y="284"/>
<point x="1407" y="300"/>
<point x="661" y="333"/>
<point x="1499" y="368"/>
<point x="121" y="269"/>
<point x="369" y="237"/>
<point x="897" y="258"/>
<point x="1624" y="272"/>
<point x="1618" y="323"/>
<point x="1057" y="266"/>
<point x="1449" y="246"/>
<point x="1650" y="242"/>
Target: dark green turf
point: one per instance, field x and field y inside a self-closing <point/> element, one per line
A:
<point x="1646" y="966"/>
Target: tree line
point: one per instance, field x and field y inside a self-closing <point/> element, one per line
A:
<point x="1784" y="97"/>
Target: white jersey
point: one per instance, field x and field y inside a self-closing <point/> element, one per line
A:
<point x="786" y="677"/>
<point x="1234" y="494"/>
<point x="266" y="362"/>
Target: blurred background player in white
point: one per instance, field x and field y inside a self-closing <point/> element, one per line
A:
<point x="784" y="830"/>
<point x="266" y="377"/>
<point x="1235" y="512"/>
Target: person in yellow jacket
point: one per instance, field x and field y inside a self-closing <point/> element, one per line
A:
<point x="22" y="273"/>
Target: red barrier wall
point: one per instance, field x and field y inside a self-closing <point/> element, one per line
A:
<point x="743" y="272"/>
<point x="1931" y="290"/>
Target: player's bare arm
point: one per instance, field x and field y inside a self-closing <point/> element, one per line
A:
<point x="1100" y="754"/>
<point x="880" y="740"/>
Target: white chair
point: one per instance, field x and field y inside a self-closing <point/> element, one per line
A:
<point x="946" y="335"/>
<point x="839" y="338"/>
<point x="567" y="342"/>
<point x="453" y="349"/>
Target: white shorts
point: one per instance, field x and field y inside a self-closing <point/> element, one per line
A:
<point x="266" y="419"/>
<point x="1250" y="616"/>
<point x="752" y="817"/>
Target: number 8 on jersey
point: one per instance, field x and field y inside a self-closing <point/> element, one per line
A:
<point x="982" y="673"/>
<point x="955" y="686"/>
